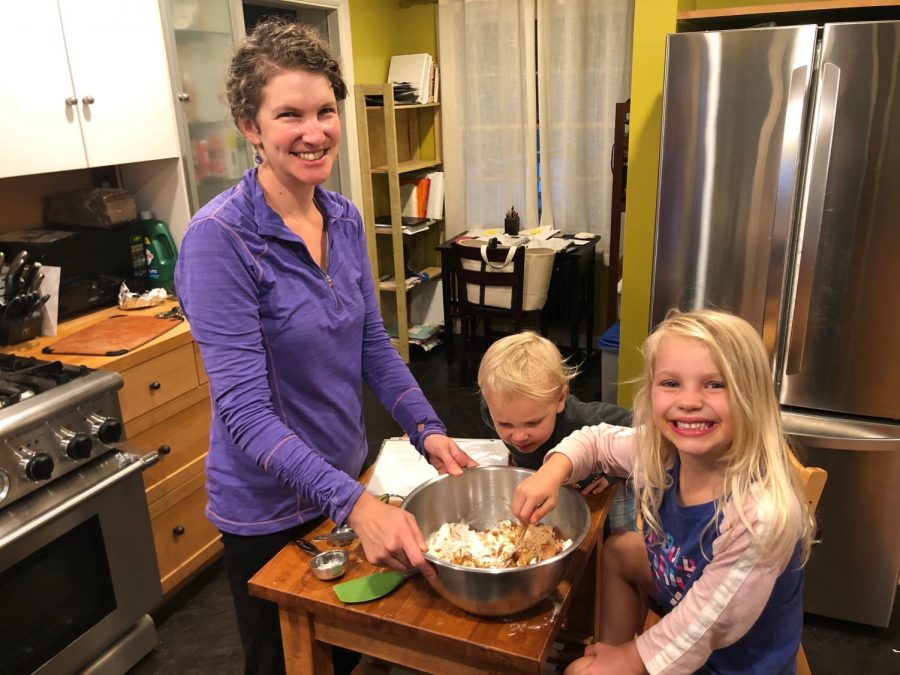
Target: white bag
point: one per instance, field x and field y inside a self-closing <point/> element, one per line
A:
<point x="538" y="269"/>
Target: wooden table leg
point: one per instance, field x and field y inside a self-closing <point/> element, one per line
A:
<point x="584" y="612"/>
<point x="303" y="654"/>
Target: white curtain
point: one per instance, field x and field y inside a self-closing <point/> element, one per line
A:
<point x="486" y="53"/>
<point x="489" y="111"/>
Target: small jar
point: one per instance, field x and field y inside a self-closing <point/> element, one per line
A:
<point x="511" y="226"/>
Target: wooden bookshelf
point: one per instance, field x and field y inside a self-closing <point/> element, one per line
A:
<point x="393" y="141"/>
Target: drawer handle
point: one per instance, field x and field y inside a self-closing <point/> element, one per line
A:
<point x="164" y="449"/>
<point x="155" y="385"/>
<point x="178" y="530"/>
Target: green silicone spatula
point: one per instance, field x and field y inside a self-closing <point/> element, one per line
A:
<point x="371" y="587"/>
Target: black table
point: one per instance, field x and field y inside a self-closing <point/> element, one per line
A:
<point x="570" y="298"/>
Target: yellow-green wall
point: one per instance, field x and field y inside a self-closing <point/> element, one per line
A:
<point x="653" y="20"/>
<point x="382" y="28"/>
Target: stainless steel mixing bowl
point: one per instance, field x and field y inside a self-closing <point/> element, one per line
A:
<point x="481" y="497"/>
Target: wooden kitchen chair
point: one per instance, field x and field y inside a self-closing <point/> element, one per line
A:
<point x="471" y="276"/>
<point x="812" y="478"/>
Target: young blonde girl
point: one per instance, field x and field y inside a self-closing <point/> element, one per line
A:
<point x="726" y="529"/>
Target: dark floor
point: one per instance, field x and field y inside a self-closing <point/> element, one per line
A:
<point x="197" y="630"/>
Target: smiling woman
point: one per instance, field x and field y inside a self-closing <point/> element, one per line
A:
<point x="274" y="278"/>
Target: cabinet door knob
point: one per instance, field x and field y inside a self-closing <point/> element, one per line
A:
<point x="155" y="385"/>
<point x="71" y="100"/>
<point x="164" y="449"/>
<point x="87" y="100"/>
<point x="178" y="530"/>
<point x="184" y="96"/>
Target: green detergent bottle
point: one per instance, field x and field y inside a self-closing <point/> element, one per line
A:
<point x="161" y="252"/>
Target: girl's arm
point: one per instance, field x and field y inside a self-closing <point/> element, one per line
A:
<point x="603" y="447"/>
<point x="721" y="606"/>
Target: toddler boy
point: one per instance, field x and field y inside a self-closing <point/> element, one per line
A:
<point x="524" y="383"/>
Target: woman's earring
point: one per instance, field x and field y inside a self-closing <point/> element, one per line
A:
<point x="258" y="158"/>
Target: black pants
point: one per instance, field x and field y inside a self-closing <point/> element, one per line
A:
<point x="258" y="619"/>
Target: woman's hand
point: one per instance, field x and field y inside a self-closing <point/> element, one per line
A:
<point x="390" y="536"/>
<point x="446" y="456"/>
<point x="537" y="495"/>
<point x="604" y="659"/>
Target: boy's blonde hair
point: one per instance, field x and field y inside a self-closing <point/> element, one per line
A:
<point x="524" y="365"/>
<point x="758" y="458"/>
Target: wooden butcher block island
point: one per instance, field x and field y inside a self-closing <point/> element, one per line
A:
<point x="414" y="626"/>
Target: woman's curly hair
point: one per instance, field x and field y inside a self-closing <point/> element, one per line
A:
<point x="275" y="45"/>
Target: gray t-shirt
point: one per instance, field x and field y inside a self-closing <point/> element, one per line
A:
<point x="575" y="415"/>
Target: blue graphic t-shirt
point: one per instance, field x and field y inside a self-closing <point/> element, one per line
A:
<point x="678" y="560"/>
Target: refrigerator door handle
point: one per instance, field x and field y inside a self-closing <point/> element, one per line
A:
<point x="814" y="207"/>
<point x="791" y="141"/>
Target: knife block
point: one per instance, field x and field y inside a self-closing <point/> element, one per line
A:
<point x="13" y="331"/>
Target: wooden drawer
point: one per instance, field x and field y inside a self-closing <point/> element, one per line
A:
<point x="158" y="381"/>
<point x="185" y="540"/>
<point x="201" y="371"/>
<point x="182" y="441"/>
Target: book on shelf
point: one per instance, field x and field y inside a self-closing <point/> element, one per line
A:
<point x="435" y="83"/>
<point x="414" y="69"/>
<point x="425" y="336"/>
<point x="420" y="331"/>
<point x="422" y="196"/>
<point x="408" y="224"/>
<point x="388" y="283"/>
<point x="414" y="196"/>
<point x="435" y="206"/>
<point x="428" y="344"/>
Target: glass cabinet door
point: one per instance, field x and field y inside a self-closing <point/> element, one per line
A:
<point x="205" y="34"/>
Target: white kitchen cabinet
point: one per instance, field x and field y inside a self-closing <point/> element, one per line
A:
<point x="85" y="84"/>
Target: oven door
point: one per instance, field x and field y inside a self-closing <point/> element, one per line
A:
<point x="77" y="568"/>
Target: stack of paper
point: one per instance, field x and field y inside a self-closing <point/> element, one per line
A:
<point x="400" y="469"/>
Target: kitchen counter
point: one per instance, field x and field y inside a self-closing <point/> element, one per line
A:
<point x="180" y="335"/>
<point x="165" y="407"/>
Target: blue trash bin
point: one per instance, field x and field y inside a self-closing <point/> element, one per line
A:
<point x="608" y="344"/>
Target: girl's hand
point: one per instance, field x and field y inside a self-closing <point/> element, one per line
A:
<point x="446" y="456"/>
<point x="537" y="495"/>
<point x="390" y="536"/>
<point x="604" y="659"/>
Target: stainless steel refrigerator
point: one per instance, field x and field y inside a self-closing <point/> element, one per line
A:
<point x="779" y="200"/>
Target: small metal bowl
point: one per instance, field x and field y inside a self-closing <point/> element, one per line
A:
<point x="329" y="565"/>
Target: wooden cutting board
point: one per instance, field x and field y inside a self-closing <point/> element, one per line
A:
<point x="113" y="336"/>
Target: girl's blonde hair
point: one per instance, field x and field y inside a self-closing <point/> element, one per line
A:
<point x="758" y="459"/>
<point x="524" y="365"/>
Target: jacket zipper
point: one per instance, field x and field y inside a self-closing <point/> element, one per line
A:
<point x="330" y="282"/>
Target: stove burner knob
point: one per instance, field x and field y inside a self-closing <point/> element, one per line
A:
<point x="39" y="467"/>
<point x="106" y="429"/>
<point x="79" y="446"/>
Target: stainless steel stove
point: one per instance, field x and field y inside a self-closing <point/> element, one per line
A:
<point x="53" y="419"/>
<point x="78" y="570"/>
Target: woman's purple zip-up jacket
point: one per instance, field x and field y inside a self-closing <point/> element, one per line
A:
<point x="287" y="347"/>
